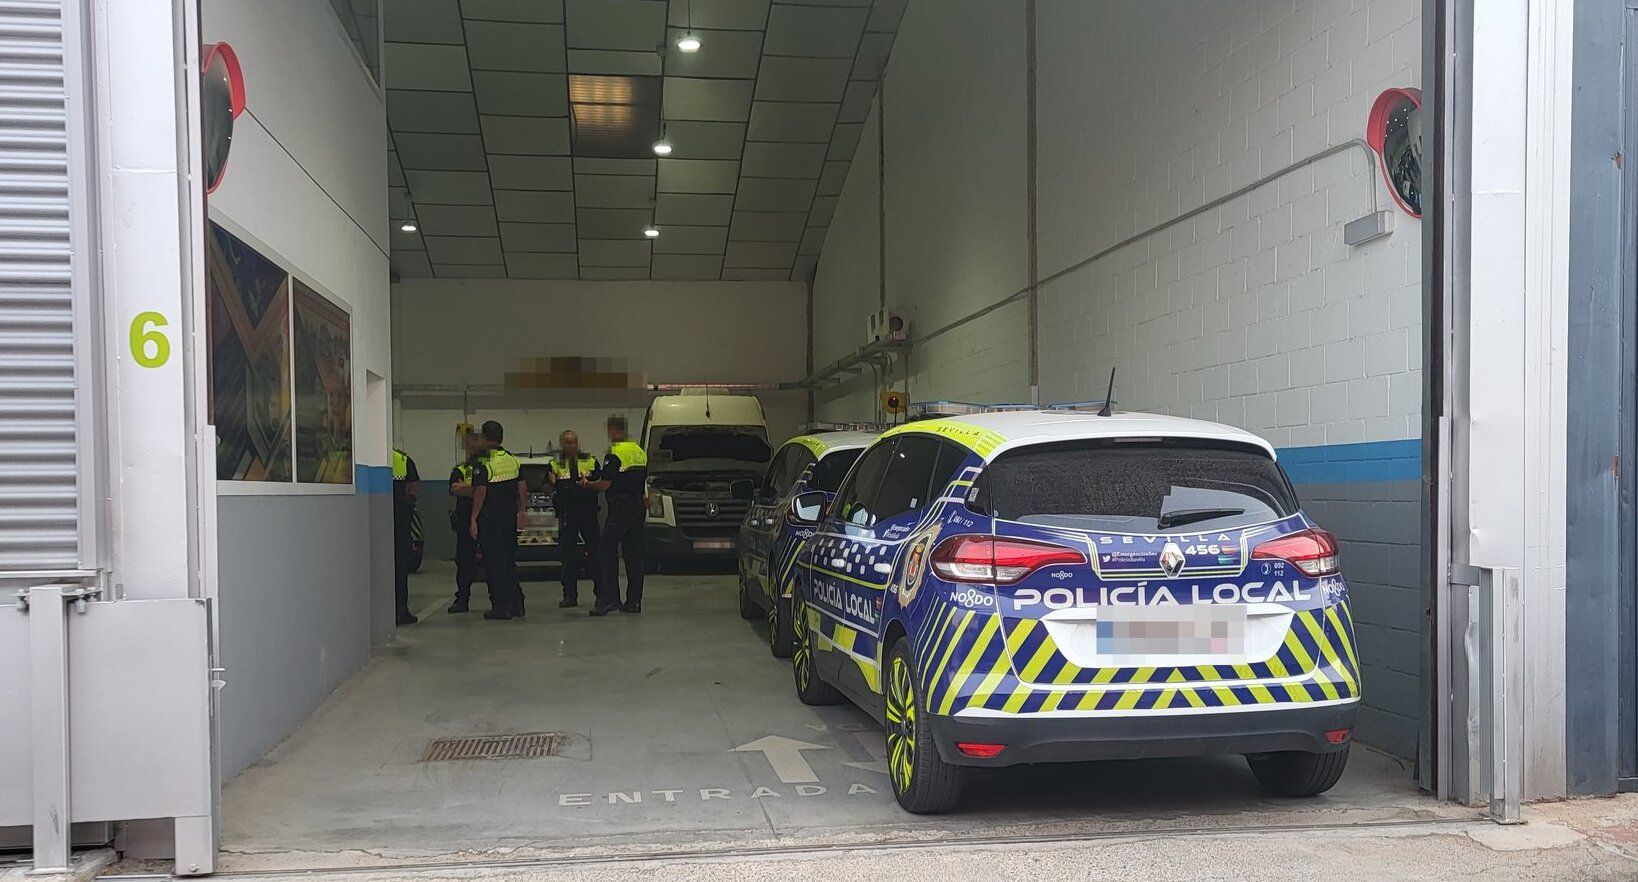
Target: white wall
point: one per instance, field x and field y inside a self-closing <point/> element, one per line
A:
<point x="306" y="185"/>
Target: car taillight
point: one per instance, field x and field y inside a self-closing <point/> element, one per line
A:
<point x="997" y="560"/>
<point x="1312" y="551"/>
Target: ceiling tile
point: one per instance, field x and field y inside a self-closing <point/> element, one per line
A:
<point x="694" y="209"/>
<point x="698" y="175"/>
<point x="411" y="265"/>
<point x="824" y="2"/>
<point x="813" y="241"/>
<point x="802" y="79"/>
<point x="409" y="111"/>
<point x="398" y="202"/>
<point x="395" y="170"/>
<point x="612" y="62"/>
<point x="612" y="223"/>
<point x="743" y="15"/>
<point x="785" y="121"/>
<point x="824" y="207"/>
<point x="680" y="239"/>
<point x="402" y="241"/>
<point x="816" y="31"/>
<point x="457" y="220"/>
<point x="845" y="142"/>
<point x="535" y="206"/>
<point x="632" y="25"/>
<point x="773" y="194"/>
<point x="542" y="266"/>
<point x="805" y="268"/>
<point x="730" y="54"/>
<point x="521" y="94"/>
<point x="856" y="101"/>
<point x="706" y="140"/>
<point x="531" y="172"/>
<point x="765" y="226"/>
<point x="425" y="66"/>
<point x="765" y="159"/>
<point x="526" y="134"/>
<point x="497" y="45"/>
<point x="613" y="252"/>
<point x="419" y="150"/>
<point x="742" y="274"/>
<point x="549" y="11"/>
<point x="613" y="191"/>
<point x="885" y="15"/>
<point x="464" y="271"/>
<point x="422" y="21"/>
<point x="463" y="249"/>
<point x="449" y="187"/>
<point x="834" y="176"/>
<point x="687" y="266"/>
<point x="614" y="273"/>
<point x="712" y="100"/>
<point x="599" y="165"/>
<point x="537" y="237"/>
<point x="872" y="58"/>
<point x="759" y="255"/>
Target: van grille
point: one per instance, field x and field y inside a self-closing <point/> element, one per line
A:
<point x="695" y="515"/>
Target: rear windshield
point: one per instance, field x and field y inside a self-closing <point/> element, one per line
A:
<point x="829" y="472"/>
<point x="1148" y="487"/>
<point x="744" y="443"/>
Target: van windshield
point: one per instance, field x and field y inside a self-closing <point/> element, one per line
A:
<point x="738" y="443"/>
<point x="1151" y="487"/>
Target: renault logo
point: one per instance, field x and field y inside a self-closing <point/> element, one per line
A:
<point x="1171" y="560"/>
<point x="712" y="509"/>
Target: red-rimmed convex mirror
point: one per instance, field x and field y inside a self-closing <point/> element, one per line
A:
<point x="221" y="100"/>
<point x="1395" y="133"/>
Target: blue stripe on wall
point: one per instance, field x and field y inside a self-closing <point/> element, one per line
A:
<point x="374" y="479"/>
<point x="1354" y="463"/>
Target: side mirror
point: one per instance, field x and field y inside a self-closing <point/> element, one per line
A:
<point x="809" y="507"/>
<point x="742" y="489"/>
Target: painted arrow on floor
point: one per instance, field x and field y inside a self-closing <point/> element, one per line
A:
<point x="785" y="756"/>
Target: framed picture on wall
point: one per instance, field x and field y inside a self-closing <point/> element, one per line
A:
<point x="249" y="329"/>
<point x="323" y="389"/>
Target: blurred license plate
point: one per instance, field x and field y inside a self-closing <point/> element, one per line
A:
<point x="1197" y="629"/>
<point x="713" y="544"/>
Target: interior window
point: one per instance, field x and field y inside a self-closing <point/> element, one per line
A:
<point x="855" y="501"/>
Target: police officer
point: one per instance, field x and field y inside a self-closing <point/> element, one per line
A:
<point x="573" y="473"/>
<point x="625" y="477"/>
<point x="460" y="520"/>
<point x="498" y="510"/>
<point x="406" y="486"/>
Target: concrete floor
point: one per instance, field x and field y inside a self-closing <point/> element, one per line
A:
<point x="655" y="706"/>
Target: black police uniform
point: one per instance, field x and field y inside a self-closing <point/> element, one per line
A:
<point x="626" y="468"/>
<point x="466" y="547"/>
<point x="577" y="522"/>
<point x="403" y="516"/>
<point x="498" y="530"/>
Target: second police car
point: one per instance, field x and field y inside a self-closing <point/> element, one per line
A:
<point x="1054" y="586"/>
<point x="770" y="536"/>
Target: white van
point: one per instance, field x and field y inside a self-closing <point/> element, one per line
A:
<point x="699" y="443"/>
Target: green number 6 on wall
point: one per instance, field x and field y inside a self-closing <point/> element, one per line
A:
<point x="149" y="346"/>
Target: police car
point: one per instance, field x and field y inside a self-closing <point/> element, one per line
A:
<point x="769" y="537"/>
<point x="1060" y="585"/>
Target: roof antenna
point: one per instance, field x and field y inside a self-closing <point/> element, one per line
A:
<point x="1108" y="408"/>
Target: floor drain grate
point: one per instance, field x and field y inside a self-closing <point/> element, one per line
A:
<point x="526" y="745"/>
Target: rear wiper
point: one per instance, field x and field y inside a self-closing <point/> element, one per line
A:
<point x="1190" y="515"/>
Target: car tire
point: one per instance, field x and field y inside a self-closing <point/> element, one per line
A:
<point x="810" y="689"/>
<point x="780" y="640"/>
<point x="1296" y="774"/>
<point x="923" y="783"/>
<point x="747" y="607"/>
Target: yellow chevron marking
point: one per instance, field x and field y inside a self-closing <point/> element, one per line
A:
<point x="845" y="637"/>
<point x="1017" y="634"/>
<point x="1261" y="694"/>
<point x="1038" y="662"/>
<point x="1016" y="702"/>
<point x="1305" y="662"/>
<point x="1193" y="696"/>
<point x="986" y="687"/>
<point x="965" y="671"/>
<point x="1089" y="699"/>
<point x="960" y="628"/>
<point x="1064" y="677"/>
<point x="1165" y="699"/>
<point x="1142" y="675"/>
<point x="1325" y="684"/>
<point x="1342" y="637"/>
<point x="1176" y="677"/>
<point x="1226" y="696"/>
<point x="1209" y="672"/>
<point x="1129" y="699"/>
<point x="1276" y="667"/>
<point x="1243" y="672"/>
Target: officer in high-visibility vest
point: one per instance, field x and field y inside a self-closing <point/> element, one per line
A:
<point x="460" y="520"/>
<point x="625" y="478"/>
<point x="406" y="486"/>
<point x="498" y="510"/>
<point x="573" y="473"/>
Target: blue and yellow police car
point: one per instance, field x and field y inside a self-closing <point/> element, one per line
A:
<point x="1056" y="585"/>
<point x="771" y="533"/>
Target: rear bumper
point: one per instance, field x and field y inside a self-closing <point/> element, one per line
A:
<point x="1033" y="738"/>
<point x="665" y="542"/>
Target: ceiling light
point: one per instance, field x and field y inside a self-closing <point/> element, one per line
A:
<point x="652" y="231"/>
<point x="408" y="227"/>
<point x="688" y="43"/>
<point x="662" y="147"/>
